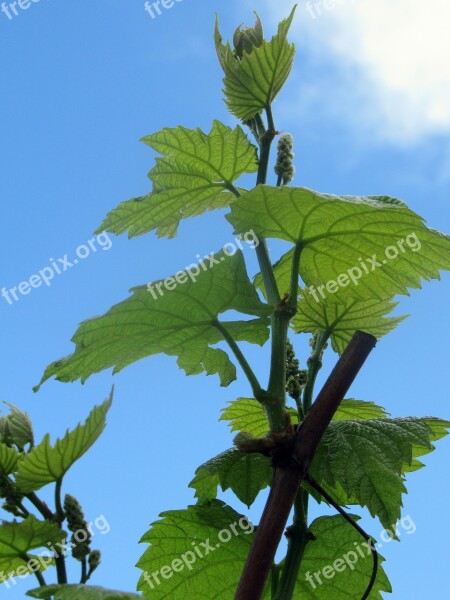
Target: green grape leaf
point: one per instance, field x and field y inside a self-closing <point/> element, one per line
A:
<point x="182" y="322"/>
<point x="246" y="414"/>
<point x="195" y="553"/>
<point x="46" y="463"/>
<point x="364" y="461"/>
<point x="245" y="474"/>
<point x="341" y="319"/>
<point x="361" y="247"/>
<point x="194" y="176"/>
<point x="338" y="564"/>
<point x="438" y="429"/>
<point x="253" y="82"/>
<point x="359" y="409"/>
<point x="17" y="539"/>
<point x="14" y="566"/>
<point x="8" y="459"/>
<point x="79" y="592"/>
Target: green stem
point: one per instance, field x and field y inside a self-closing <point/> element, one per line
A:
<point x="298" y="538"/>
<point x="280" y="327"/>
<point x="275" y="578"/>
<point x="17" y="502"/>
<point x="21" y="507"/>
<point x="265" y="264"/>
<point x="280" y="321"/>
<point x="84" y="572"/>
<point x="314" y="366"/>
<point x="266" y="144"/>
<point x="260" y="125"/>
<point x="256" y="126"/>
<point x="26" y="558"/>
<point x="262" y="252"/>
<point x="270" y="121"/>
<point x="58" y="503"/>
<point x="231" y="188"/>
<point x="293" y="290"/>
<point x="40" y="506"/>
<point x="40" y="578"/>
<point x="274" y="408"/>
<point x="60" y="561"/>
<point x="254" y="383"/>
<point x="277" y="380"/>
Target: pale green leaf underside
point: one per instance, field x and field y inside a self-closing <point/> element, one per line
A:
<point x="247" y="415"/>
<point x="335" y="538"/>
<point x="18" y="539"/>
<point x="79" y="592"/>
<point x="251" y="84"/>
<point x="46" y="463"/>
<point x="180" y="323"/>
<point x="245" y="474"/>
<point x="338" y="232"/>
<point x="342" y="319"/>
<point x="8" y="459"/>
<point x="9" y="565"/>
<point x="359" y="409"/>
<point x="363" y="461"/>
<point x="215" y="575"/>
<point x="193" y="176"/>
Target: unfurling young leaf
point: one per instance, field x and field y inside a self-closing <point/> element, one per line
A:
<point x="46" y="463"/>
<point x="253" y="81"/>
<point x="16" y="428"/>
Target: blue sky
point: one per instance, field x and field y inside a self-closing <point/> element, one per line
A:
<point x="81" y="84"/>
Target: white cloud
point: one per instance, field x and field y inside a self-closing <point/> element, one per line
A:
<point x="390" y="61"/>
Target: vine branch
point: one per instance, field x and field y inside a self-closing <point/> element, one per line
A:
<point x="289" y="475"/>
<point x="253" y="380"/>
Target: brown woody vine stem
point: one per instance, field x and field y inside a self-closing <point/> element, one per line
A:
<point x="289" y="476"/>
